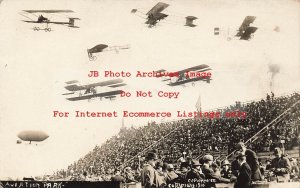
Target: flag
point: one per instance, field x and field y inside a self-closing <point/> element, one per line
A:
<point x="123" y="123"/>
<point x="198" y="107"/>
<point x="198" y="104"/>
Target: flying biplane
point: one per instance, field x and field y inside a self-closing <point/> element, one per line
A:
<point x="90" y="91"/>
<point x="40" y="19"/>
<point x="155" y="15"/>
<point x="102" y="48"/>
<point x="245" y="31"/>
<point x="188" y="75"/>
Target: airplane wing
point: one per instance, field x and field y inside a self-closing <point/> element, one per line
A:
<point x="110" y="97"/>
<point x="198" y="68"/>
<point x="97" y="48"/>
<point x="181" y="74"/>
<point x="159" y="7"/>
<point x="72" y="82"/>
<point x="30" y="21"/>
<point x="247" y="34"/>
<point x="48" y="11"/>
<point x="71" y="22"/>
<point x="60" y="23"/>
<point x="117" y="85"/>
<point x="110" y="94"/>
<point x="189" y="80"/>
<point x="195" y="68"/>
<point x="248" y="20"/>
<point x="75" y="87"/>
<point x="161" y="70"/>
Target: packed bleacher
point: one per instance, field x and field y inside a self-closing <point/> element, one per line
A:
<point x="181" y="141"/>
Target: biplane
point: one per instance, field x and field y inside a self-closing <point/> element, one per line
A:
<point x="154" y="15"/>
<point x="245" y="31"/>
<point x="41" y="19"/>
<point x="102" y="48"/>
<point x="192" y="74"/>
<point x="88" y="92"/>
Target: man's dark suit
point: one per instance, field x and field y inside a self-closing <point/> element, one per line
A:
<point x="252" y="161"/>
<point x="194" y="174"/>
<point x="209" y="174"/>
<point x="244" y="178"/>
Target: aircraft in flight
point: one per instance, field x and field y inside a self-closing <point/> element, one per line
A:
<point x="32" y="136"/>
<point x="192" y="74"/>
<point x="245" y="31"/>
<point x="41" y="19"/>
<point x="154" y="15"/>
<point x="90" y="91"/>
<point x="103" y="48"/>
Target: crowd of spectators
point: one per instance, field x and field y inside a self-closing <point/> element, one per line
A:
<point x="179" y="141"/>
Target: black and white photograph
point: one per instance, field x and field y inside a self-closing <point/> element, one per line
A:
<point x="150" y="94"/>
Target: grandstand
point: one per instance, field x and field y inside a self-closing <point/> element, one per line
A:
<point x="271" y="122"/>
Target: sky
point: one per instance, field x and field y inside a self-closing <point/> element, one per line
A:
<point x="34" y="67"/>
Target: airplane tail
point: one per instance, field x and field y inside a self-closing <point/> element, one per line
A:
<point x="117" y="48"/>
<point x="189" y="21"/>
<point x="72" y="22"/>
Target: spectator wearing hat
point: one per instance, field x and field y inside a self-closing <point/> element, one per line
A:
<point x="280" y="165"/>
<point x="165" y="171"/>
<point x="215" y="167"/>
<point x="150" y="177"/>
<point x="226" y="172"/>
<point x="171" y="175"/>
<point x="235" y="167"/>
<point x="128" y="175"/>
<point x="209" y="173"/>
<point x="195" y="172"/>
<point x="244" y="177"/>
<point x="294" y="168"/>
<point x="268" y="164"/>
<point x="252" y="161"/>
<point x="182" y="171"/>
<point x="118" y="177"/>
<point x="158" y="166"/>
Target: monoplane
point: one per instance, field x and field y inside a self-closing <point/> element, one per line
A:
<point x="89" y="91"/>
<point x="154" y="15"/>
<point x="103" y="48"/>
<point x="38" y="17"/>
<point x="192" y="74"/>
